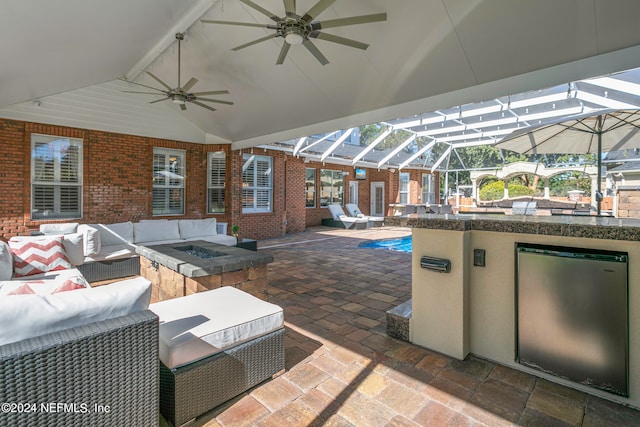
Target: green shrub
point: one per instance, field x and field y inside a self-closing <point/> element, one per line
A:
<point x="495" y="191"/>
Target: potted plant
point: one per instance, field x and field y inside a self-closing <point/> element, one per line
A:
<point x="234" y="232"/>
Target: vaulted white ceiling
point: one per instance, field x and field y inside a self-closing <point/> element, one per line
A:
<point x="428" y="55"/>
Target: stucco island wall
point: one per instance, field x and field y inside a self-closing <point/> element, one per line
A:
<point x="472" y="309"/>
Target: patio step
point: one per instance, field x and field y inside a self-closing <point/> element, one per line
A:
<point x="398" y="321"/>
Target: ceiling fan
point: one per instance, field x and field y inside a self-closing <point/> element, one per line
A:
<point x="181" y="95"/>
<point x="296" y="29"/>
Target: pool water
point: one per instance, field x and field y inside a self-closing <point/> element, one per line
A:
<point x="402" y="244"/>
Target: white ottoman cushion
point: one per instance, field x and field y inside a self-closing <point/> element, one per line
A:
<point x="200" y="325"/>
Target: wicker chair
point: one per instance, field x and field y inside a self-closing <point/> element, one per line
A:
<point x="100" y="374"/>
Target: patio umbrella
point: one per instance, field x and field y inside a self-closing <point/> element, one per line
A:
<point x="593" y="133"/>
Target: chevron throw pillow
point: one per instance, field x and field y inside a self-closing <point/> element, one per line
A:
<point x="71" y="284"/>
<point x="22" y="290"/>
<point x="38" y="256"/>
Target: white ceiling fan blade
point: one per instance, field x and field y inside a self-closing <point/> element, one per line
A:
<point x="317" y="9"/>
<point x="140" y="84"/>
<point x="271" y="36"/>
<point x="353" y="20"/>
<point x="315" y="52"/>
<point x="283" y="53"/>
<point x="212" y="92"/>
<point x="190" y="84"/>
<point x="241" y="24"/>
<point x="216" y="100"/>
<point x="262" y="10"/>
<point x="158" y="80"/>
<point x="200" y="104"/>
<point x="290" y="7"/>
<point x="339" y="40"/>
<point x="145" y="93"/>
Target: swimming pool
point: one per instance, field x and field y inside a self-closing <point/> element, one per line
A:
<point x="402" y="244"/>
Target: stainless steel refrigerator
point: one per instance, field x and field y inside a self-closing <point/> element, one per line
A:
<point x="572" y="314"/>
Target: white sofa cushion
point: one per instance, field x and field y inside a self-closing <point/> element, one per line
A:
<point x="203" y="324"/>
<point x="115" y="234"/>
<point x="27" y="316"/>
<point x="160" y="242"/>
<point x="44" y="283"/>
<point x="6" y="261"/>
<point x="59" y="228"/>
<point x="91" y="239"/>
<point x="190" y="228"/>
<point x="153" y="231"/>
<point x="112" y="252"/>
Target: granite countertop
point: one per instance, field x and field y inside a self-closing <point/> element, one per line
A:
<point x="557" y="225"/>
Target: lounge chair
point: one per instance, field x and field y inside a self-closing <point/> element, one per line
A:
<point x="340" y="218"/>
<point x="355" y="212"/>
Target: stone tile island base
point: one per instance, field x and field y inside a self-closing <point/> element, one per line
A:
<point x="398" y="319"/>
<point x="181" y="269"/>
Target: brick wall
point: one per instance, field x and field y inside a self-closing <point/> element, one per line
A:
<point x="117" y="172"/>
<point x="14" y="178"/>
<point x="117" y="182"/>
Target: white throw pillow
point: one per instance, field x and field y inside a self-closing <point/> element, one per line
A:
<point x="91" y="238"/>
<point x="190" y="228"/>
<point x="45" y="283"/>
<point x="153" y="231"/>
<point x="74" y="245"/>
<point x="6" y="262"/>
<point x="26" y="316"/>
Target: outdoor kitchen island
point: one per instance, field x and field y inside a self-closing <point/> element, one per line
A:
<point x="473" y="308"/>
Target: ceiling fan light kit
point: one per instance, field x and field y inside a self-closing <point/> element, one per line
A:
<point x="296" y="29"/>
<point x="181" y="95"/>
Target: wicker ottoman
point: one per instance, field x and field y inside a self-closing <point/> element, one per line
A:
<point x="214" y="346"/>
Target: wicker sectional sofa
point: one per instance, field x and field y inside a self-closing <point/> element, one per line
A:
<point x="100" y="374"/>
<point x="106" y="356"/>
<point x="84" y="357"/>
<point x="110" y="249"/>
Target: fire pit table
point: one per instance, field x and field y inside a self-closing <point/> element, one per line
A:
<point x="184" y="268"/>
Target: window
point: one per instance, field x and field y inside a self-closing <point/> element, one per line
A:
<point x="257" y="182"/>
<point x="168" y="181"/>
<point x="331" y="187"/>
<point x="404" y="188"/>
<point x="428" y="188"/>
<point x="310" y="187"/>
<point x="216" y="173"/>
<point x="56" y="177"/>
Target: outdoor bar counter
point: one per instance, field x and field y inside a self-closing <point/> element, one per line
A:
<point x="472" y="308"/>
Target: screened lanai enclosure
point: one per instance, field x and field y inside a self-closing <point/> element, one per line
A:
<point x="461" y="139"/>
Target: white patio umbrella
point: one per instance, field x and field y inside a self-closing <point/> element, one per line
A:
<point x="594" y="133"/>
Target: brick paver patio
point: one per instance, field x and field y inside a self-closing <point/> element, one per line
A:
<point x="343" y="370"/>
